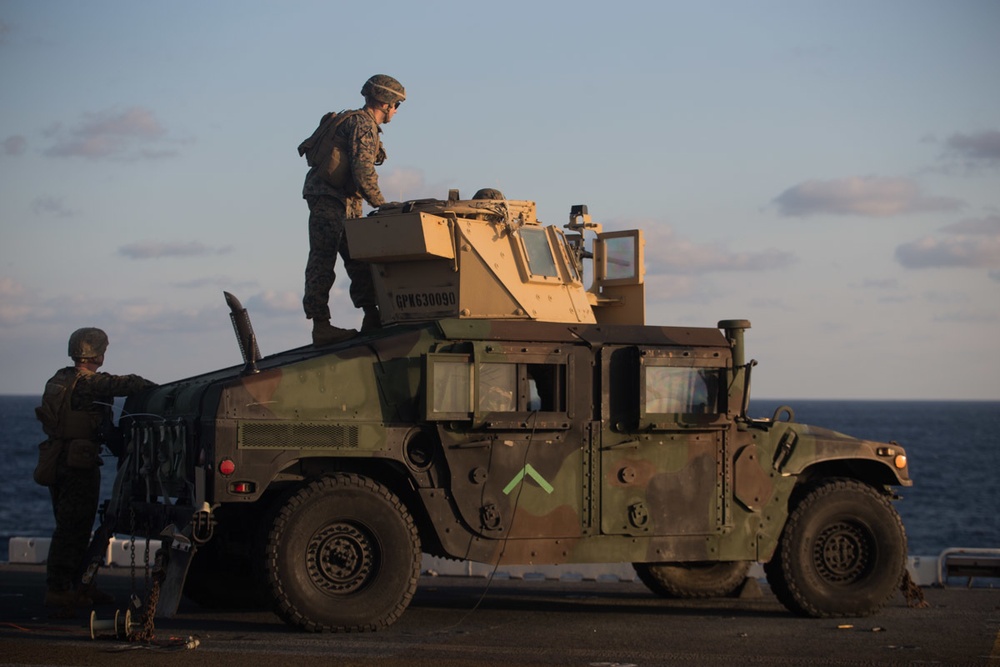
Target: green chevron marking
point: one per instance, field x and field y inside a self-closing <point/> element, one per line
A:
<point x="533" y="474"/>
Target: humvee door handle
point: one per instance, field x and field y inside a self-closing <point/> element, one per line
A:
<point x="628" y="444"/>
<point x="472" y="445"/>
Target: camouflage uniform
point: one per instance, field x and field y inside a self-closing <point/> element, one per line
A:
<point x="330" y="206"/>
<point x="76" y="491"/>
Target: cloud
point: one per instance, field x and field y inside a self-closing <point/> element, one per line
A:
<point x="880" y="284"/>
<point x="407" y="183"/>
<point x="24" y="310"/>
<point x="14" y="145"/>
<point x="216" y="281"/>
<point x="52" y="206"/>
<point x="272" y="302"/>
<point x="860" y="195"/>
<point x="973" y="243"/>
<point x="967" y="317"/>
<point x="10" y="287"/>
<point x="979" y="147"/>
<point x="15" y="304"/>
<point x="666" y="253"/>
<point x="158" y="249"/>
<point x="988" y="226"/>
<point x="110" y="134"/>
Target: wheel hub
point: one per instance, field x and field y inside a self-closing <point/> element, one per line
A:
<point x="843" y="552"/>
<point x="340" y="558"/>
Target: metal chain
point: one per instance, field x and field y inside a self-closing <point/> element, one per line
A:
<point x="148" y="633"/>
<point x="132" y="550"/>
<point x="146" y="563"/>
<point x="914" y="596"/>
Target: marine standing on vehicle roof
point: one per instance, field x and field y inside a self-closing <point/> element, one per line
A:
<point x="76" y="415"/>
<point x="342" y="154"/>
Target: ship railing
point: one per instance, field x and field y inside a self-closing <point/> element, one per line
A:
<point x="971" y="563"/>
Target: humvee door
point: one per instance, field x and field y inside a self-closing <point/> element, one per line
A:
<point x="663" y="441"/>
<point x="512" y="420"/>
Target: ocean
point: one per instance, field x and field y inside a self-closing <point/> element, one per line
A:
<point x="953" y="447"/>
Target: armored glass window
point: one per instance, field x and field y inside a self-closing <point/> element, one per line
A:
<point x="619" y="258"/>
<point x="536" y="246"/>
<point x="518" y="395"/>
<point x="497" y="387"/>
<point x="450" y="382"/>
<point x="685" y="390"/>
<point x="569" y="256"/>
<point x="507" y="387"/>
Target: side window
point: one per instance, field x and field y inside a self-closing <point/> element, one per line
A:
<point x="449" y="386"/>
<point x="503" y="392"/>
<point x="512" y="387"/>
<point x="546" y="387"/>
<point x="670" y="389"/>
<point x="541" y="262"/>
<point x="682" y="387"/>
<point x="497" y="387"/>
<point x="569" y="256"/>
<point x="618" y="258"/>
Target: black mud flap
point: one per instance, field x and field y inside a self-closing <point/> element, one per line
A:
<point x="178" y="559"/>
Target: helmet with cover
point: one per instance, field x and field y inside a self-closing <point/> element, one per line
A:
<point x="384" y="89"/>
<point x="488" y="193"/>
<point x="87" y="343"/>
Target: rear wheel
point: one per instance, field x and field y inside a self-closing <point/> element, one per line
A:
<point x="842" y="552"/>
<point x="708" y="579"/>
<point x="343" y="555"/>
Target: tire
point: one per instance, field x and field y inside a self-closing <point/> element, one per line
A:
<point x="708" y="579"/>
<point x="842" y="552"/>
<point x="343" y="555"/>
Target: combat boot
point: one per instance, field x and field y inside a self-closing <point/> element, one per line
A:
<point x="325" y="333"/>
<point x="372" y="319"/>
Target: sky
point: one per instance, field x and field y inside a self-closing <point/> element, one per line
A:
<point x="829" y="171"/>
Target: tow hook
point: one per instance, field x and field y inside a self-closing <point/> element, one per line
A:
<point x="203" y="524"/>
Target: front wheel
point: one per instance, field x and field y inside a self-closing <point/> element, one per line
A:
<point x="343" y="555"/>
<point x="842" y="552"/>
<point x="694" y="579"/>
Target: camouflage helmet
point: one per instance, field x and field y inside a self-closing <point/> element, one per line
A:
<point x="87" y="343"/>
<point x="383" y="88"/>
<point x="488" y="193"/>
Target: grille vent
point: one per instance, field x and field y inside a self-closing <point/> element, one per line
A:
<point x="297" y="436"/>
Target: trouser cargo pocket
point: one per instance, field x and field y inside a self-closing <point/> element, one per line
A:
<point x="48" y="462"/>
<point x="83" y="454"/>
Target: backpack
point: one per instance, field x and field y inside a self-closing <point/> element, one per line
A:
<point x="52" y="413"/>
<point x="325" y="151"/>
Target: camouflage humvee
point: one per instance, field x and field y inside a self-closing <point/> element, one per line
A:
<point x="504" y="414"/>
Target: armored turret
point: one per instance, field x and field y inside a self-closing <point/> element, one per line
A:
<point x="493" y="259"/>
